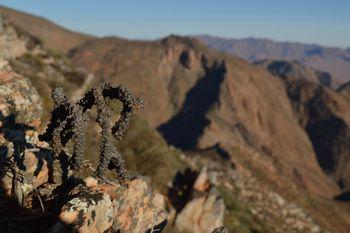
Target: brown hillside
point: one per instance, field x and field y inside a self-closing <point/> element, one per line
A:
<point x="322" y="112"/>
<point x="326" y="118"/>
<point x="199" y="99"/>
<point x="53" y="36"/>
<point x="344" y="90"/>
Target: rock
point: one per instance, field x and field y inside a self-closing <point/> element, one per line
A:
<point x="202" y="215"/>
<point x="220" y="230"/>
<point x="11" y="43"/>
<point x="33" y="167"/>
<point x="202" y="183"/>
<point x="315" y="229"/>
<point x="97" y="207"/>
<point x="90" y="182"/>
<point x="26" y="164"/>
<point x="199" y="206"/>
<point x="19" y="97"/>
<point x="279" y="200"/>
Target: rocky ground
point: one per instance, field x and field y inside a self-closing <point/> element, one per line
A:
<point x="265" y="210"/>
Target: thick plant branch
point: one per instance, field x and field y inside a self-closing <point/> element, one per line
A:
<point x="68" y="123"/>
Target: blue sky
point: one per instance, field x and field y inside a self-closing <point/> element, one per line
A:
<point x="325" y="22"/>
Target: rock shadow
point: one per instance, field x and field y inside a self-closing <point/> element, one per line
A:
<point x="184" y="129"/>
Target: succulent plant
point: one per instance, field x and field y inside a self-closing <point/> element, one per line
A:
<point x="68" y="122"/>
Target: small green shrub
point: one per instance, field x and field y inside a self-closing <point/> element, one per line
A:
<point x="238" y="218"/>
<point x="146" y="153"/>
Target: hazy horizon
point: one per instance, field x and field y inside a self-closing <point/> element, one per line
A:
<point x="313" y="22"/>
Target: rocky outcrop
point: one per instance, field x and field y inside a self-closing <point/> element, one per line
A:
<point x="201" y="215"/>
<point x="21" y="175"/>
<point x="24" y="162"/>
<point x="18" y="97"/>
<point x="205" y="211"/>
<point x="53" y="36"/>
<point x="11" y="45"/>
<point x="99" y="207"/>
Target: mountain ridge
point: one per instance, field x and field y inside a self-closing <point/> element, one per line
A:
<point x="267" y="39"/>
<point x="54" y="36"/>
<point x="327" y="59"/>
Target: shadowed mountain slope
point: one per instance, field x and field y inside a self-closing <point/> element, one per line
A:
<point x="199" y="99"/>
<point x="322" y="112"/>
<point x="293" y="70"/>
<point x="344" y="90"/>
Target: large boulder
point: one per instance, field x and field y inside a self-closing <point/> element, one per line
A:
<point x="18" y="97"/>
<point x="95" y="206"/>
<point x="205" y="211"/>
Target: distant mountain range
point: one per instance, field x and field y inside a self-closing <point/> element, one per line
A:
<point x="336" y="61"/>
